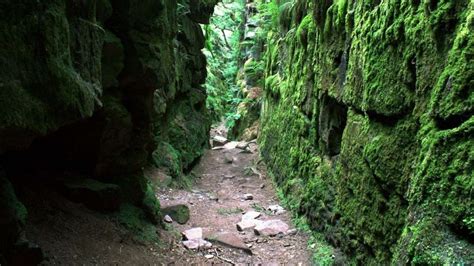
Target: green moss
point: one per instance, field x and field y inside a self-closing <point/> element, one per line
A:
<point x="179" y="213"/>
<point x="112" y="60"/>
<point x="166" y="156"/>
<point x="13" y="213"/>
<point x="152" y="205"/>
<point x="303" y="28"/>
<point x="451" y="95"/>
<point x="404" y="168"/>
<point x="254" y="71"/>
<point x="53" y="85"/>
<point x="189" y="129"/>
<point x="135" y="220"/>
<point x="229" y="211"/>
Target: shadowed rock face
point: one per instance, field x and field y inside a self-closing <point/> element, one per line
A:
<point x="94" y="87"/>
<point x="367" y="125"/>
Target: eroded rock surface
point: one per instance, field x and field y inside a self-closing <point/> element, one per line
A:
<point x="94" y="88"/>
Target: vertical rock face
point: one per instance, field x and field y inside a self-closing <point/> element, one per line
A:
<point x="250" y="79"/>
<point x="94" y="87"/>
<point x="368" y="125"/>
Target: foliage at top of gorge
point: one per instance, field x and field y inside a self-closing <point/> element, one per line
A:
<point x="223" y="40"/>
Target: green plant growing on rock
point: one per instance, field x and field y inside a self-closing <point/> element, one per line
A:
<point x="229" y="211"/>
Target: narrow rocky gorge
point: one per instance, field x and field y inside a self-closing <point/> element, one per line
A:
<point x="232" y="214"/>
<point x="349" y="123"/>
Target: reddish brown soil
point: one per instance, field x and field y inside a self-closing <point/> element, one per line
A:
<point x="222" y="215"/>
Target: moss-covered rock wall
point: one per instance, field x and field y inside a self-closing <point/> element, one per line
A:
<point x="368" y="125"/>
<point x="93" y="88"/>
<point x="251" y="75"/>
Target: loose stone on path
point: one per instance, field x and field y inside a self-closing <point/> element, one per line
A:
<point x="194" y="239"/>
<point x="219" y="141"/>
<point x="271" y="228"/>
<point x="193" y="233"/>
<point x="225" y="183"/>
<point x="231" y="240"/>
<point x="276" y="209"/>
<point x="251" y="215"/>
<point x="248" y="196"/>
<point x="197" y="244"/>
<point x="247" y="224"/>
<point x="168" y="219"/>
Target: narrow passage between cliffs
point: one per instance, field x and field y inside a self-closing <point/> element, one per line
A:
<point x="231" y="214"/>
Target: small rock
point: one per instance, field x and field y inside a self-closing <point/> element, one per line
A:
<point x="228" y="177"/>
<point x="247" y="224"/>
<point x="287" y="245"/>
<point x="242" y="145"/>
<point x="231" y="240"/>
<point x="231" y="145"/>
<point x="276" y="209"/>
<point x="213" y="197"/>
<point x="209" y="256"/>
<point x="228" y="158"/>
<point x="271" y="228"/>
<point x="168" y="219"/>
<point x="292" y="232"/>
<point x="193" y="233"/>
<point x="262" y="186"/>
<point x="250" y="245"/>
<point x="218" y="148"/>
<point x="248" y="196"/>
<point x="251" y="215"/>
<point x="218" y="141"/>
<point x="197" y="244"/>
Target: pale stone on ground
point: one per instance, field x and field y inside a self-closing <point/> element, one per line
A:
<point x="197" y="244"/>
<point x="271" y="228"/>
<point x="251" y="215"/>
<point x="193" y="233"/>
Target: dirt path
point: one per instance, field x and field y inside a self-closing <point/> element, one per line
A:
<point x="217" y="203"/>
<point x="71" y="234"/>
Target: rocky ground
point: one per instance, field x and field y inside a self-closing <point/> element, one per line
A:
<point x="231" y="192"/>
